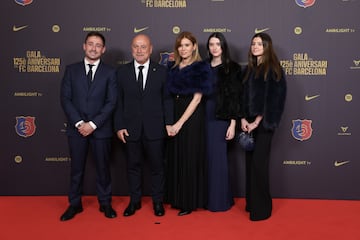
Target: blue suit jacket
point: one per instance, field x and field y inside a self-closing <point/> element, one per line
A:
<point x="94" y="103"/>
<point x="149" y="110"/>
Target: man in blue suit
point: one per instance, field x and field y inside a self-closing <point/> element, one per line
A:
<point x="88" y="98"/>
<point x="143" y="113"/>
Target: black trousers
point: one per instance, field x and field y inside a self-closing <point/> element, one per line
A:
<point x="137" y="152"/>
<point x="100" y="148"/>
<point x="258" y="198"/>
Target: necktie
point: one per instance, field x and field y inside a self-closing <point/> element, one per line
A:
<point x="141" y="78"/>
<point x="90" y="74"/>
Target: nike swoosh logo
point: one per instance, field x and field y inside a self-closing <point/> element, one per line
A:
<point x="308" y="98"/>
<point x="137" y="30"/>
<point x="338" y="164"/>
<point x="16" y="29"/>
<point x="261" y="30"/>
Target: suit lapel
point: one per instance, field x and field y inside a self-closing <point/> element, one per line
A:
<point x="81" y="75"/>
<point x="132" y="77"/>
<point x="151" y="71"/>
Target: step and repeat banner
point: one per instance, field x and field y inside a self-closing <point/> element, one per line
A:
<point x="315" y="151"/>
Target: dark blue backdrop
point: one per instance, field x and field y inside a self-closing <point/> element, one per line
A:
<point x="314" y="150"/>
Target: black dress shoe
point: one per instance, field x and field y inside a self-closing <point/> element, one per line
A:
<point x="108" y="211"/>
<point x="159" y="209"/>
<point x="131" y="209"/>
<point x="184" y="212"/>
<point x="70" y="212"/>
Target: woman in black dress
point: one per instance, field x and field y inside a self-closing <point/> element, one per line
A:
<point x="188" y="81"/>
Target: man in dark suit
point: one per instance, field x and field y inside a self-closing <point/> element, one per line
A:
<point x="142" y="116"/>
<point x="88" y="97"/>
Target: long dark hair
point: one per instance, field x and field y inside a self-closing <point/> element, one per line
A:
<point x="269" y="60"/>
<point x="225" y="55"/>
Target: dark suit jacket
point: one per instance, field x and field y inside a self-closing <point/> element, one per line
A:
<point x="95" y="103"/>
<point x="150" y="110"/>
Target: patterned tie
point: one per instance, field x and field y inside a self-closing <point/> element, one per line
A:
<point x="90" y="74"/>
<point x="141" y="78"/>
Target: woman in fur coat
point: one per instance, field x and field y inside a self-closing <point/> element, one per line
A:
<point x="188" y="81"/>
<point x="263" y="104"/>
<point x="222" y="111"/>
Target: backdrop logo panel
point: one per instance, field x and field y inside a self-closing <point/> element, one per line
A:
<point x="348" y="97"/>
<point x="35" y="61"/>
<point x="260" y="30"/>
<point x="340" y="163"/>
<point x="25" y="126"/>
<point x="216" y="29"/>
<point x="24" y="2"/>
<point x="304" y="64"/>
<point x="139" y="30"/>
<point x="305" y="3"/>
<point x="164" y="3"/>
<point x="344" y="131"/>
<point x="301" y="129"/>
<point x="340" y="30"/>
<point x="96" y="28"/>
<point x="356" y="64"/>
<point x="311" y="97"/>
<point x="19" y="28"/>
<point x="296" y="163"/>
<point x="166" y="57"/>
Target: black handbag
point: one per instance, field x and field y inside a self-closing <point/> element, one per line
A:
<point x="246" y="140"/>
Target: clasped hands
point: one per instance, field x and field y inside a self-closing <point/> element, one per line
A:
<point x="85" y="129"/>
<point x="248" y="127"/>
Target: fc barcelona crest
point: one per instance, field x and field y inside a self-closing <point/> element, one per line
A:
<point x="302" y="129"/>
<point x="24" y="2"/>
<point x="25" y="126"/>
<point x="166" y="57"/>
<point x="305" y="3"/>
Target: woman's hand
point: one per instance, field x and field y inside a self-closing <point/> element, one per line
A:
<point x="230" y="133"/>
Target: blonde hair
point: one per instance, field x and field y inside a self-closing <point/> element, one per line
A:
<point x="195" y="55"/>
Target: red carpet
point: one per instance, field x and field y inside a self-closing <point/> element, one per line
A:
<point x="38" y="218"/>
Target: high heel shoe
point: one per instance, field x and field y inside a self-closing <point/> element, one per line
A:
<point x="184" y="212"/>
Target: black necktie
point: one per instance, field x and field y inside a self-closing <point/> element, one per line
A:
<point x="141" y="78"/>
<point x="90" y="73"/>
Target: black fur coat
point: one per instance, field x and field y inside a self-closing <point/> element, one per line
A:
<point x="266" y="98"/>
<point x="228" y="92"/>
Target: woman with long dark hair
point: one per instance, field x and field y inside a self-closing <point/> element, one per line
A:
<point x="263" y="104"/>
<point x="222" y="110"/>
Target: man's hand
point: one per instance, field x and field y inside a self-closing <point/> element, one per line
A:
<point x="121" y="134"/>
<point x="85" y="129"/>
